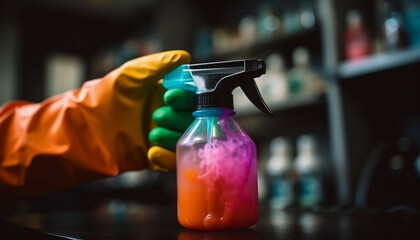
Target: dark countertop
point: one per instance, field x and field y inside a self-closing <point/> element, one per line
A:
<point x="119" y="220"/>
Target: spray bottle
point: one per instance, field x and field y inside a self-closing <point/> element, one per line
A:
<point x="216" y="159"/>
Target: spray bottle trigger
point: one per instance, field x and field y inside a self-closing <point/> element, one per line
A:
<point x="251" y="91"/>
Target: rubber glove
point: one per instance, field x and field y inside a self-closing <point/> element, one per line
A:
<point x="96" y="131"/>
<point x="172" y="120"/>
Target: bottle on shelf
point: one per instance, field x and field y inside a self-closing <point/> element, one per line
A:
<point x="411" y="9"/>
<point x="248" y="30"/>
<point x="393" y="32"/>
<point x="274" y="83"/>
<point x="291" y="21"/>
<point x="310" y="172"/>
<point x="307" y="16"/>
<point x="279" y="174"/>
<point x="203" y="43"/>
<point x="357" y="41"/>
<point x="303" y="79"/>
<point x="269" y="24"/>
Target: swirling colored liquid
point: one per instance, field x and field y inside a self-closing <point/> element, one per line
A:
<point x="217" y="184"/>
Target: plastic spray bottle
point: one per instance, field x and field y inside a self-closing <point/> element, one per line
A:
<point x="216" y="159"/>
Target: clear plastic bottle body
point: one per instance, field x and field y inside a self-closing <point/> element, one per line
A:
<point x="216" y="173"/>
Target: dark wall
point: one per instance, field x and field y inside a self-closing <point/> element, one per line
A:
<point x="46" y="30"/>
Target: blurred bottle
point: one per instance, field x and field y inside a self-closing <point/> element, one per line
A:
<point x="357" y="41"/>
<point x="393" y="32"/>
<point x="412" y="20"/>
<point x="310" y="173"/>
<point x="225" y="39"/>
<point x="248" y="30"/>
<point x="203" y="43"/>
<point x="291" y="21"/>
<point x="307" y="15"/>
<point x="269" y="24"/>
<point x="274" y="86"/>
<point x="279" y="170"/>
<point x="303" y="79"/>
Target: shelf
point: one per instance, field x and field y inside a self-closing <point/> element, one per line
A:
<point x="290" y="103"/>
<point x="378" y="62"/>
<point x="263" y="45"/>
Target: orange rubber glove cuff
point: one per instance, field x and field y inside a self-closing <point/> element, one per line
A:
<point x="96" y="131"/>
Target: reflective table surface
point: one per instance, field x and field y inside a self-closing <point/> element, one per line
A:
<point x="122" y="220"/>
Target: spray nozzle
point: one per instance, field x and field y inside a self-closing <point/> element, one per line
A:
<point x="214" y="82"/>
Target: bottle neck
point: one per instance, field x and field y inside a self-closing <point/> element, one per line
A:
<point x="214" y="112"/>
<point x="217" y="99"/>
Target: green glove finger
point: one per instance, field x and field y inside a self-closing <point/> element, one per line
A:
<point x="164" y="138"/>
<point x="180" y="99"/>
<point x="171" y="119"/>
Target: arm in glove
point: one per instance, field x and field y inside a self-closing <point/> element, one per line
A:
<point x="96" y="131"/>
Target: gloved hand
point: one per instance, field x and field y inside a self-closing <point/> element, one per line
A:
<point x="172" y="121"/>
<point x="96" y="131"/>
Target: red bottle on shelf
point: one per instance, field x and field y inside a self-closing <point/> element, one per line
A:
<point x="357" y="41"/>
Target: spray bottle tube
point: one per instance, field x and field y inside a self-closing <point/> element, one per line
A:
<point x="216" y="159"/>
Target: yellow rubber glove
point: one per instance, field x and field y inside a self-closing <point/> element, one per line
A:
<point x="96" y="131"/>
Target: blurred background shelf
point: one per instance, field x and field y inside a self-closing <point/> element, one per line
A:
<point x="282" y="42"/>
<point x="290" y="103"/>
<point x="378" y="62"/>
